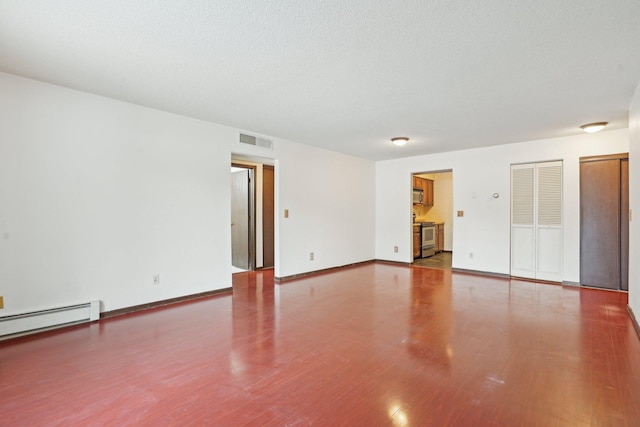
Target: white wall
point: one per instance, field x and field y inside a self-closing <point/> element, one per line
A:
<point x="634" y="204"/>
<point x="477" y="174"/>
<point x="97" y="195"/>
<point x="330" y="198"/>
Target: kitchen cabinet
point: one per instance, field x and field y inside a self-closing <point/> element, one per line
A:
<point x="417" y="182"/>
<point x="426" y="185"/>
<point x="416" y="241"/>
<point x="439" y="237"/>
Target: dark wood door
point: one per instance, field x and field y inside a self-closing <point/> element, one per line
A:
<point x="601" y="222"/>
<point x="268" y="215"/>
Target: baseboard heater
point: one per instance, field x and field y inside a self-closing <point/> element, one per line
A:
<point x="37" y="321"/>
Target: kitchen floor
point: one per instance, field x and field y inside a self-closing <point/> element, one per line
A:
<point x="441" y="260"/>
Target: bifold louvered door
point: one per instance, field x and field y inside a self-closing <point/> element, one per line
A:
<point x="536" y="221"/>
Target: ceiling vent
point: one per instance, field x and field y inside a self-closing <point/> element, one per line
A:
<point x="253" y="140"/>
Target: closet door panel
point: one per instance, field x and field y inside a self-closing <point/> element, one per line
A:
<point x="522" y="252"/>
<point x="549" y="254"/>
<point x="536" y="221"/>
<point x="523" y="221"/>
<point x="549" y="221"/>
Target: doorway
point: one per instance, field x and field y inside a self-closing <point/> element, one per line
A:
<point x="432" y="222"/>
<point x="252" y="214"/>
<point x="604" y="221"/>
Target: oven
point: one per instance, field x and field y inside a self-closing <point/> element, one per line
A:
<point x="428" y="243"/>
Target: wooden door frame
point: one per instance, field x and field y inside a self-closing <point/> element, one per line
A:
<point x="266" y="217"/>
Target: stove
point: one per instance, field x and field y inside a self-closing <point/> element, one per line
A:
<point x="428" y="243"/>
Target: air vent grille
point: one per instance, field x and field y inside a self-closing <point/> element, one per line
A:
<point x="258" y="142"/>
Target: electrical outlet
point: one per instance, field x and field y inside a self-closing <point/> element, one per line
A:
<point x="286" y="213"/>
<point x="1" y="302"/>
<point x="470" y="254"/>
<point x="311" y="256"/>
<point x="395" y="249"/>
<point x="156" y="279"/>
<point x="460" y="213"/>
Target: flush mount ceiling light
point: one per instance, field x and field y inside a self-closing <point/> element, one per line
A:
<point x="593" y="127"/>
<point x="399" y="141"/>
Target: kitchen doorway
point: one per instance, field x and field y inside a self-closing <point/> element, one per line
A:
<point x="432" y="219"/>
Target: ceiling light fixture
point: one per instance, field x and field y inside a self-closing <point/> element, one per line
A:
<point x="593" y="127"/>
<point x="399" y="141"/>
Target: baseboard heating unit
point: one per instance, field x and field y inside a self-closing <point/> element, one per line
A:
<point x="37" y="321"/>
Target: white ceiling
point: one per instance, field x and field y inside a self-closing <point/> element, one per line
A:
<point x="346" y="75"/>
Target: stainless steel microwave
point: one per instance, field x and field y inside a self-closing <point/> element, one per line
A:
<point x="418" y="196"/>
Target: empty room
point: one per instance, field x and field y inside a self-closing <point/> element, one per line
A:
<point x="320" y="213"/>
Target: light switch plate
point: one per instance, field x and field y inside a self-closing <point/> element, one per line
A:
<point x="1" y="302"/>
<point x="286" y="213"/>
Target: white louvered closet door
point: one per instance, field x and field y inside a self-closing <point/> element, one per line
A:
<point x="536" y="221"/>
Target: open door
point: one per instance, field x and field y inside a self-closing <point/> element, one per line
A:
<point x="241" y="218"/>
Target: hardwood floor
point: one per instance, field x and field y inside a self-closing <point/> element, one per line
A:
<point x="370" y="345"/>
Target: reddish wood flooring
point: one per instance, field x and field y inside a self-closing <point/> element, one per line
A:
<point x="372" y="345"/>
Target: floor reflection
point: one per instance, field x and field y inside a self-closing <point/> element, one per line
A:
<point x="598" y="356"/>
<point x="430" y="318"/>
<point x="253" y="316"/>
